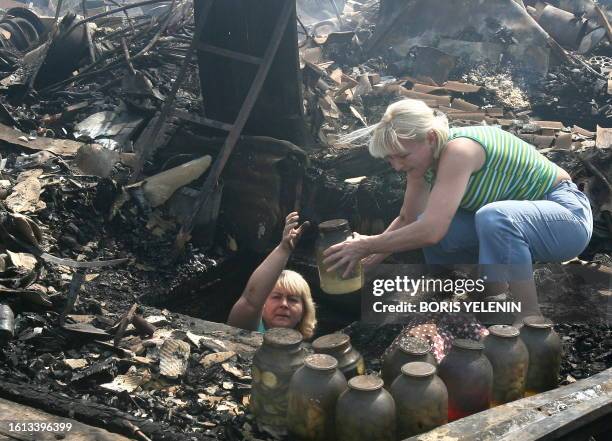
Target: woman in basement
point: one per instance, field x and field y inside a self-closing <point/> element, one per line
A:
<point x="473" y="195"/>
<point x="275" y="297"/>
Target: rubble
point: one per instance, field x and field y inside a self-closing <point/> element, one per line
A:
<point x="94" y="190"/>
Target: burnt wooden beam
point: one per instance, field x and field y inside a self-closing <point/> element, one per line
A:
<point x="551" y="415"/>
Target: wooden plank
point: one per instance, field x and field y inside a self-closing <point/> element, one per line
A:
<point x="449" y="110"/>
<point x="540" y="417"/>
<point x="58" y="146"/>
<point x="460" y="104"/>
<point x="19" y="413"/>
<point x="205" y="47"/>
<point x="468" y="116"/>
<point x="196" y="119"/>
<point x="424" y="88"/>
<point x="583" y="132"/>
<point x="494" y="111"/>
<point x="457" y="86"/>
<point x="552" y="125"/>
<point x="440" y="100"/>
<point x="604" y="137"/>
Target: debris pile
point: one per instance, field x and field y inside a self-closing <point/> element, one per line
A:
<point x="103" y="161"/>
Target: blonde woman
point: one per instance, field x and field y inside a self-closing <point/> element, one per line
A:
<point x="473" y="195"/>
<point x="275" y="297"/>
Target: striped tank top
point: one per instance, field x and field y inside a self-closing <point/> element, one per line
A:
<point x="513" y="169"/>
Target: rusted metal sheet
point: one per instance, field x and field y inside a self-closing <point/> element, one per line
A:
<point x="546" y="416"/>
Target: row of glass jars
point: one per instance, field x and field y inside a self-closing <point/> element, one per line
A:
<point x="313" y="399"/>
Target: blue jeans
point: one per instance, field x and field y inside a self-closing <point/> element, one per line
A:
<point x="505" y="237"/>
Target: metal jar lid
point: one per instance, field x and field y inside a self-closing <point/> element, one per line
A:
<point x="331" y="342"/>
<point x="367" y="383"/>
<point x="538" y="322"/>
<point x="282" y="337"/>
<point x="414" y="346"/>
<point x="464" y="343"/>
<point x="418" y="369"/>
<point x="333" y="225"/>
<point x="504" y="331"/>
<point x="321" y="362"/>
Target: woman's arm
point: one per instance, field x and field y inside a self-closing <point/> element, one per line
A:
<point x="415" y="201"/>
<point x="246" y="312"/>
<point x="459" y="160"/>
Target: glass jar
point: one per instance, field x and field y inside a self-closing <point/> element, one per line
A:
<point x="509" y="357"/>
<point x="274" y="364"/>
<point x="365" y="411"/>
<point x="468" y="376"/>
<point x="338" y="345"/>
<point x="421" y="399"/>
<point x="544" y="347"/>
<point x="313" y="393"/>
<point x="332" y="232"/>
<point x="408" y="350"/>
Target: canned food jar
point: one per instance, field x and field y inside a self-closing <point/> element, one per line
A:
<point x="338" y="345"/>
<point x="421" y="399"/>
<point x="509" y="358"/>
<point x="544" y="347"/>
<point x="332" y="232"/>
<point x="313" y="393"/>
<point x="274" y="363"/>
<point x="410" y="349"/>
<point x="365" y="411"/>
<point x="468" y="376"/>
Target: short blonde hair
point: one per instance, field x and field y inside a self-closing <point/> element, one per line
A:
<point x="293" y="283"/>
<point x="406" y="119"/>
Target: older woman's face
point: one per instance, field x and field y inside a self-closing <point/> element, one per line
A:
<point x="282" y="309"/>
<point x="418" y="157"/>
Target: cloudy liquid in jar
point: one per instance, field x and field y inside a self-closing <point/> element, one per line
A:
<point x="333" y="283"/>
<point x="331" y="233"/>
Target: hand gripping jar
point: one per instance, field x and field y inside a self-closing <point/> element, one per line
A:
<point x="544" y="348"/>
<point x="365" y="412"/>
<point x="338" y="345"/>
<point x="509" y="357"/>
<point x="274" y="364"/>
<point x="313" y="393"/>
<point x="407" y="350"/>
<point x="421" y="399"/>
<point x="332" y="232"/>
<point x="468" y="376"/>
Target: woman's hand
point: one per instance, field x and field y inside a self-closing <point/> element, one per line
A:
<point x="291" y="232"/>
<point x="349" y="253"/>
<point x="369" y="262"/>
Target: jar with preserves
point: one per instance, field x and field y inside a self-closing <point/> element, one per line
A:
<point x="468" y="376"/>
<point x="365" y="411"/>
<point x="313" y="393"/>
<point x="509" y="357"/>
<point x="274" y="363"/>
<point x="544" y="347"/>
<point x="338" y="345"/>
<point x="421" y="399"/>
<point x="332" y="232"/>
<point x="408" y="350"/>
